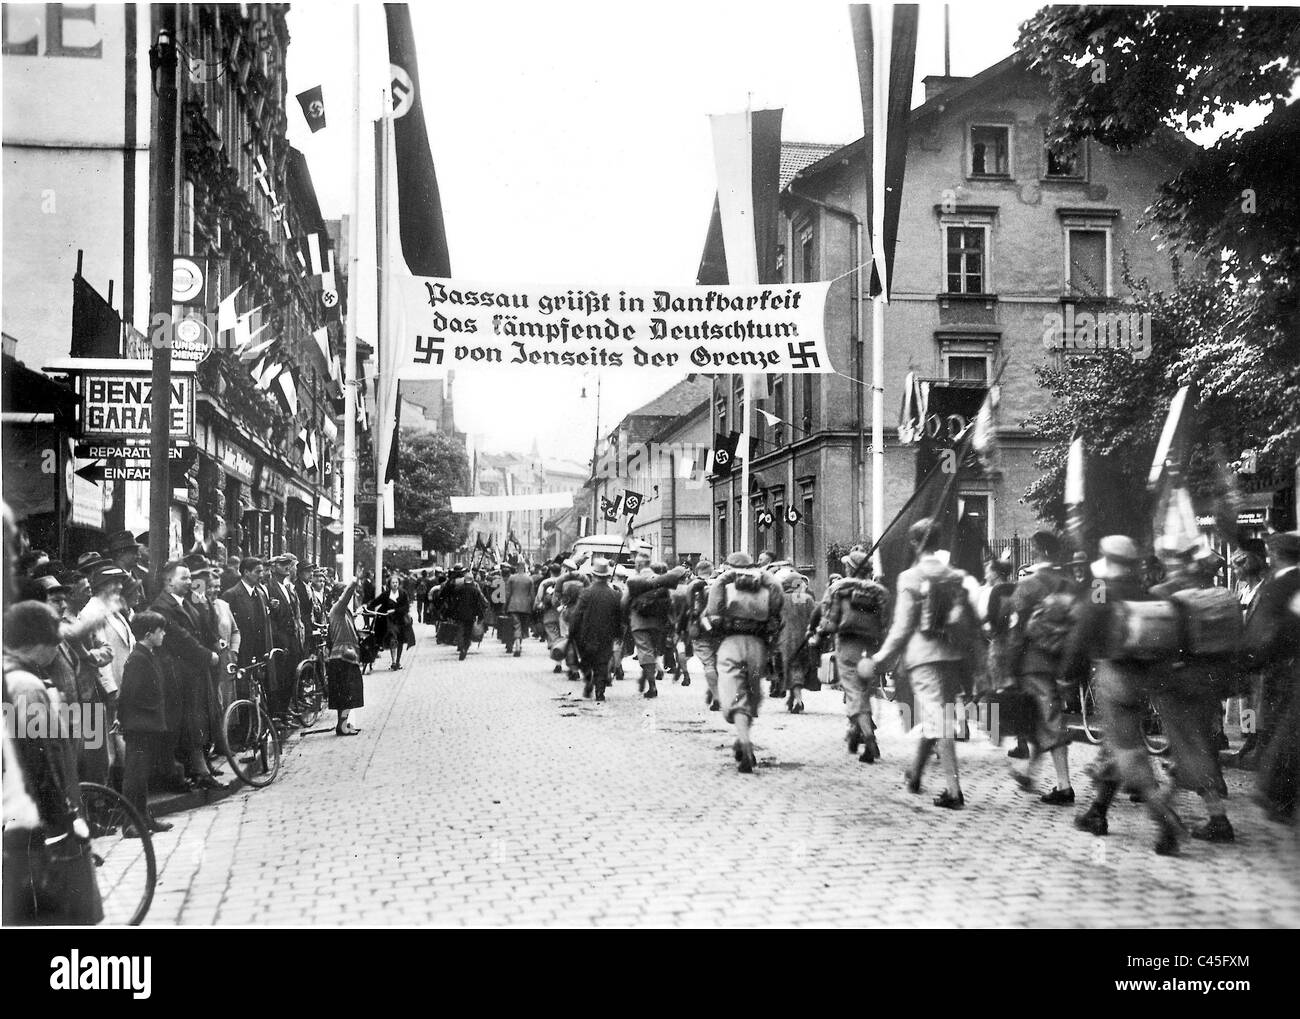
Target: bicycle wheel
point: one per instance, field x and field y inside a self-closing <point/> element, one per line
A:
<point x="1153" y="732"/>
<point x="308" y="692"/>
<point x="250" y="743"/>
<point x="1088" y="713"/>
<point x="125" y="868"/>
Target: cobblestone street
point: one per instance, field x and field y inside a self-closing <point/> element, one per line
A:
<point x="489" y="792"/>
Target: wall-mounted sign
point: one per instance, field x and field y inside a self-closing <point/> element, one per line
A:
<point x="1252" y="518"/>
<point x="271" y="482"/>
<point x="188" y="278"/>
<point x="237" y="463"/>
<point x="119" y="405"/>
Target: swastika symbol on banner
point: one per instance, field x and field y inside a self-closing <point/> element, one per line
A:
<point x="803" y="354"/>
<point x="316" y="109"/>
<point x="723" y="457"/>
<point x="403" y="91"/>
<point x="428" y="348"/>
<point x="329" y="298"/>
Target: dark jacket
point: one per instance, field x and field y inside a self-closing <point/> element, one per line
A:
<point x="1089" y="638"/>
<point x="463" y="601"/>
<point x="253" y="620"/>
<point x="141" y="705"/>
<point x="1031" y="592"/>
<point x="597" y="622"/>
<point x="285" y="617"/>
<point x="184" y="643"/>
<point x="1272" y="639"/>
<point x="391" y="623"/>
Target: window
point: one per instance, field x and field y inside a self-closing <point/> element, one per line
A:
<point x="965" y="248"/>
<point x="807" y="253"/>
<point x="778" y="529"/>
<point x="778" y="408"/>
<point x="723" y="549"/>
<point x="968" y="367"/>
<point x="809" y="547"/>
<point x="1064" y="162"/>
<point x="738" y="525"/>
<point x="973" y="518"/>
<point x="721" y="409"/>
<point x="807" y="408"/>
<point x="1088" y="262"/>
<point x="990" y="151"/>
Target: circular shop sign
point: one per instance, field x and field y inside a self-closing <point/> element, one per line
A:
<point x="187" y="280"/>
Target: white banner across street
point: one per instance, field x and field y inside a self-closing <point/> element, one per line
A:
<point x="776" y="329"/>
<point x="507" y="503"/>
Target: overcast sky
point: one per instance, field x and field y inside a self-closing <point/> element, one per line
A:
<point x="572" y="145"/>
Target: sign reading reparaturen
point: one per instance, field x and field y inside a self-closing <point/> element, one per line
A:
<point x="777" y="329"/>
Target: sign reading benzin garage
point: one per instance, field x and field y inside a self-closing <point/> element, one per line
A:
<point x="120" y="405"/>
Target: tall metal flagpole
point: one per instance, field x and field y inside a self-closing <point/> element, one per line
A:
<point x="350" y="339"/>
<point x="882" y="35"/>
<point x="381" y="224"/>
<point x="745" y="379"/>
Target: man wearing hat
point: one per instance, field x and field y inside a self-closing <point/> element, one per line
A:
<point x="463" y="603"/>
<point x="286" y="631"/>
<point x="547" y="603"/>
<point x="1123" y="684"/>
<point x="744" y="608"/>
<point x="124" y="552"/>
<point x="1271" y="643"/>
<point x="597" y="624"/>
<point x="703" y="643"/>
<point x="519" y="594"/>
<point x="854" y="612"/>
<point x="311" y="609"/>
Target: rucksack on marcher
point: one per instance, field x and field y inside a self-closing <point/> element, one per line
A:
<point x="1144" y="631"/>
<point x="1051" y="622"/>
<point x="862" y="612"/>
<point x="943" y="605"/>
<point x="1212" y="622"/>
<point x="745" y="599"/>
<point x="653" y="604"/>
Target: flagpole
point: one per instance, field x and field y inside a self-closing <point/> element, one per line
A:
<point x="386" y="195"/>
<point x="744" y="464"/>
<point x="350" y="337"/>
<point x="880" y="120"/>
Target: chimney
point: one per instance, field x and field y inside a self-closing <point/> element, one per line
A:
<point x="936" y="84"/>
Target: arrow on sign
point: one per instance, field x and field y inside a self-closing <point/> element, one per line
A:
<point x="92" y="472"/>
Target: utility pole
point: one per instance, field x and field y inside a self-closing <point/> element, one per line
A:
<point x="349" y="566"/>
<point x="163" y="142"/>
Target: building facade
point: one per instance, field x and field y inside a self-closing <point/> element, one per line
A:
<point x="1001" y="245"/>
<point x="264" y="466"/>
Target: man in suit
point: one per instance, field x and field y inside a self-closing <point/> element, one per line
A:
<point x="286" y="630"/>
<point x="1271" y="643"/>
<point x="189" y="649"/>
<point x="307" y="608"/>
<point x="597" y="624"/>
<point x="248" y="605"/>
<point x="519" y="594"/>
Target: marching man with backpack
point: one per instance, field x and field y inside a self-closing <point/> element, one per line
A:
<point x="854" y="612"/>
<point x="649" y="604"/>
<point x="931" y="634"/>
<point x="1046" y="604"/>
<point x="703" y="642"/>
<point x="1127" y="633"/>
<point x="744" y="609"/>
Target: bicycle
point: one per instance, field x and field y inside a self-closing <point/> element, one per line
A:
<point x="1153" y="733"/>
<point x="308" y="700"/>
<point x="126" y="870"/>
<point x="249" y="738"/>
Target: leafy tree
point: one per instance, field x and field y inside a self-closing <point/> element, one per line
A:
<point x="1123" y="76"/>
<point x="433" y="467"/>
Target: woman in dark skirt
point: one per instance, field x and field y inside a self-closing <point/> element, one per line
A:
<point x="390" y="609"/>
<point x="343" y="667"/>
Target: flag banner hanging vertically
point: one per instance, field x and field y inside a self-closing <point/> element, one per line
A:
<point x="886" y="52"/>
<point x="1076" y="528"/>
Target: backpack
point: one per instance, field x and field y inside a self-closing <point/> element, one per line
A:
<point x="652" y="604"/>
<point x="943" y="605"/>
<point x="860" y="613"/>
<point x="1212" y="624"/>
<point x="1144" y="631"/>
<point x="1051" y="622"/>
<point x="745" y="599"/>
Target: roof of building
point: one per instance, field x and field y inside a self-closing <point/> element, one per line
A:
<point x="796" y="156"/>
<point x="682" y="398"/>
